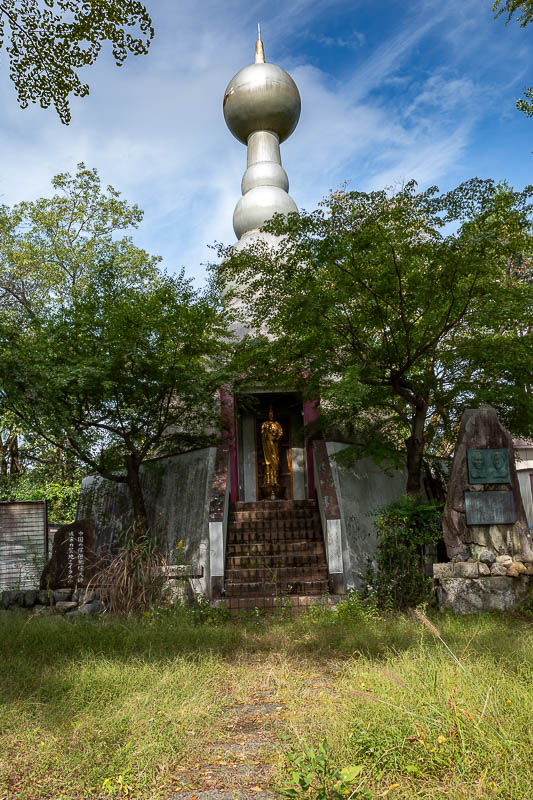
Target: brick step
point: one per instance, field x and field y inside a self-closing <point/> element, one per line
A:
<point x="279" y="547"/>
<point x="275" y="524"/>
<point x="299" y="560"/>
<point x="255" y="574"/>
<point x="297" y="535"/>
<point x="293" y="604"/>
<point x="273" y="589"/>
<point x="263" y="518"/>
<point x="274" y="505"/>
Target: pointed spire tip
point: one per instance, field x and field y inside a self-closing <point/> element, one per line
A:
<point x="259" y="49"/>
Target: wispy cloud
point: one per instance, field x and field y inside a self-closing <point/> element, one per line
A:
<point x="416" y="105"/>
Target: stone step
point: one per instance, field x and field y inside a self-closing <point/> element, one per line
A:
<point x="274" y="525"/>
<point x="273" y="514"/>
<point x="276" y="547"/>
<point x="261" y="505"/>
<point x="271" y="561"/>
<point x="275" y="589"/>
<point x="263" y="535"/>
<point x="294" y="604"/>
<point x="310" y="572"/>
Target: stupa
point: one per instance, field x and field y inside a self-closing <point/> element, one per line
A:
<point x="267" y="517"/>
<point x="262" y="108"/>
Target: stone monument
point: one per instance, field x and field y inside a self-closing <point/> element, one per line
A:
<point x="74" y="560"/>
<point x="485" y="527"/>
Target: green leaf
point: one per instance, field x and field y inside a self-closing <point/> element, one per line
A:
<point x="349" y="774"/>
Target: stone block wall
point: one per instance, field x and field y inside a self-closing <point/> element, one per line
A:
<point x="491" y="583"/>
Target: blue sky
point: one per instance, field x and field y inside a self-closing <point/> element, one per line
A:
<point x="422" y="89"/>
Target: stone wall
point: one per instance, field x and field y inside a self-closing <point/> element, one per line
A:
<point x="178" y="587"/>
<point x="361" y="493"/>
<point x="71" y="602"/>
<point x="176" y="493"/>
<point x="524" y="467"/>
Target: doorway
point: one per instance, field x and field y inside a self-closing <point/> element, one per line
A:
<point x="252" y="411"/>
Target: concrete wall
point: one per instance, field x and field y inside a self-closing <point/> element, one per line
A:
<point x="176" y="493"/>
<point x="361" y="493"/>
<point x="524" y="467"/>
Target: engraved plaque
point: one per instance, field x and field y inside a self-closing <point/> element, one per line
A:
<point x="488" y="466"/>
<point x="489" y="508"/>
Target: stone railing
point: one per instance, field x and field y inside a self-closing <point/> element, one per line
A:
<point x="330" y="516"/>
<point x="219" y="497"/>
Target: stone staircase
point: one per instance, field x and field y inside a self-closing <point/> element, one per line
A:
<point x="274" y="555"/>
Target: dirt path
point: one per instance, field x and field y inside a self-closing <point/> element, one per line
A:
<point x="241" y="767"/>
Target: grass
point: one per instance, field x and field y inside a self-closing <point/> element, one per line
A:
<point x="147" y="707"/>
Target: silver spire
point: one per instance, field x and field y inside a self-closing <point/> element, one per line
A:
<point x="261" y="109"/>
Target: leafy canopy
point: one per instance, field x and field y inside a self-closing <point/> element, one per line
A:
<point x="523" y="9"/>
<point x="397" y="310"/>
<point x="98" y="346"/>
<point x="50" y="41"/>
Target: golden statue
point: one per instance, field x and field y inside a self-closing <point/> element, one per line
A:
<point x="271" y="433"/>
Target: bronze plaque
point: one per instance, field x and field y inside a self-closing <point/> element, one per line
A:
<point x="489" y="508"/>
<point x="488" y="466"/>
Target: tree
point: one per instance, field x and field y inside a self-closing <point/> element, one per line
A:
<point x="524" y="14"/>
<point x="50" y="247"/>
<point x="98" y="347"/>
<point x="398" y="310"/>
<point x="50" y="43"/>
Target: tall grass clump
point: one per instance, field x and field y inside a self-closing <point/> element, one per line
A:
<point x="133" y="579"/>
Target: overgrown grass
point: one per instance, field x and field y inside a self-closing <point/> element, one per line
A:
<point x="96" y="708"/>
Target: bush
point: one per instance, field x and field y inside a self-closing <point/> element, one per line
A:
<point x="404" y="528"/>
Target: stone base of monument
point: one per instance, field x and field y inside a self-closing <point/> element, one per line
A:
<point x="67" y="602"/>
<point x="180" y="587"/>
<point x="467" y="587"/>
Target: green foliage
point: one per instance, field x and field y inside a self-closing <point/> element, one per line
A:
<point x="525" y="104"/>
<point x="99" y="347"/>
<point x="523" y="9"/>
<point x="49" y="44"/>
<point x="403" y="528"/>
<point x="313" y="775"/>
<point x="62" y="498"/>
<point x="356" y="607"/>
<point x="399" y="310"/>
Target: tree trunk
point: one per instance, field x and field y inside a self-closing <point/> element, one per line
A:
<point x="415" y="446"/>
<point x="14" y="461"/>
<point x="69" y="463"/>
<point x="140" y="519"/>
<point x="3" y="460"/>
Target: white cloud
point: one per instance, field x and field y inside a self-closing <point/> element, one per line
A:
<point x="155" y="130"/>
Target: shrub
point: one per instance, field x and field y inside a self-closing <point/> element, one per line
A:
<point x="404" y="528"/>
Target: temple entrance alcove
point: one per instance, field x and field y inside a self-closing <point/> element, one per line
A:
<point x="252" y="411"/>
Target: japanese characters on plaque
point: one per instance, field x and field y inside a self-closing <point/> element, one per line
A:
<point x="75" y="557"/>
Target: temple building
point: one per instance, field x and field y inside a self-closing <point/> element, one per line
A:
<point x="267" y="516"/>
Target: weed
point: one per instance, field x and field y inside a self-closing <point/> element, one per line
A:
<point x="314" y="775"/>
<point x="148" y="698"/>
<point x="357" y="607"/>
<point x="133" y="579"/>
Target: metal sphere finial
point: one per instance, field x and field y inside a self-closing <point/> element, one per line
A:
<point x="262" y="108"/>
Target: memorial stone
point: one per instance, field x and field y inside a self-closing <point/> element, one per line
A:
<point x="74" y="560"/>
<point x="484" y="509"/>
